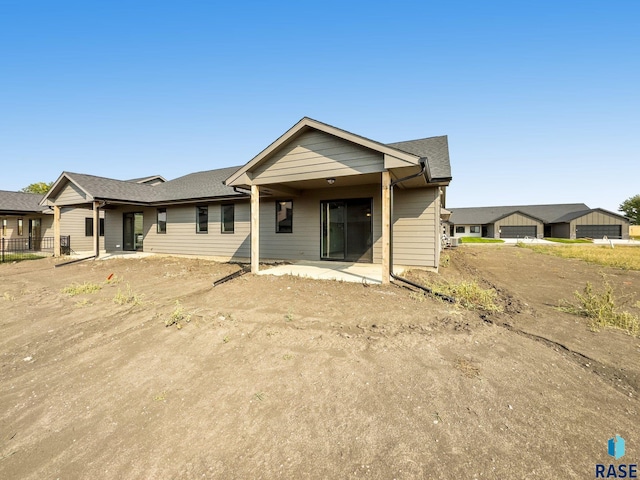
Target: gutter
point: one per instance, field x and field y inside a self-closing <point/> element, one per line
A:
<point x="423" y="170"/>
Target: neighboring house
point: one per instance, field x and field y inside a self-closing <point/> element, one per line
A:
<point x="22" y="217"/>
<point x="573" y="220"/>
<point x="316" y="193"/>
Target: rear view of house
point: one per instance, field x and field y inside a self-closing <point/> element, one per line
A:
<point x="316" y="193"/>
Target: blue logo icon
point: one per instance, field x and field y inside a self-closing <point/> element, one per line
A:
<point x="616" y="447"/>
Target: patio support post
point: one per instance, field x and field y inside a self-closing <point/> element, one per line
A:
<point x="96" y="229"/>
<point x="56" y="231"/>
<point x="386" y="226"/>
<point x="255" y="229"/>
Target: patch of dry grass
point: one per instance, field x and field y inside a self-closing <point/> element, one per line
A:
<point x="602" y="309"/>
<point x="622" y="256"/>
<point x="467" y="368"/>
<point x="81" y="288"/>
<point x="467" y="293"/>
<point x="127" y="297"/>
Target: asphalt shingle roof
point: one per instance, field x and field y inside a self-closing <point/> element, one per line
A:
<point x="20" y="202"/>
<point x="111" y="189"/>
<point x="197" y="185"/>
<point x="207" y="184"/>
<point x="435" y="149"/>
<point x="551" y="213"/>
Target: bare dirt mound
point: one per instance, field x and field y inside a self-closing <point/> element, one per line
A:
<point x="283" y="377"/>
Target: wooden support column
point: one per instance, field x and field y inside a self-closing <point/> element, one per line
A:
<point x="96" y="229"/>
<point x="57" y="250"/>
<point x="255" y="229"/>
<point x="386" y="226"/>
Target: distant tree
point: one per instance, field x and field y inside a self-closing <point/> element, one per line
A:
<point x="39" y="187"/>
<point x="631" y="208"/>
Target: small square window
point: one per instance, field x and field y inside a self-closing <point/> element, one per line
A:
<point x="162" y="220"/>
<point x="475" y="229"/>
<point x="227" y="223"/>
<point x="202" y="219"/>
<point x="460" y="229"/>
<point x="284" y="216"/>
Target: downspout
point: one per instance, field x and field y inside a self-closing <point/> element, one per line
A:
<point x="423" y="170"/>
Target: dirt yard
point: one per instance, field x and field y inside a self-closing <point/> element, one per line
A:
<point x="284" y="377"/>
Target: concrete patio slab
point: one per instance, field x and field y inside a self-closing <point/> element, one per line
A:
<point x="339" y="271"/>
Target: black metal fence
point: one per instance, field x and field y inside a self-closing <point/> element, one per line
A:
<point x="14" y="249"/>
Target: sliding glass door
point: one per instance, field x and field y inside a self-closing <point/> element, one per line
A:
<point x="347" y="230"/>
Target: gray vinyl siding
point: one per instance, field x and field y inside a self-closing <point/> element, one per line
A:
<point x="11" y="231"/>
<point x="70" y="195"/>
<point x="181" y="237"/>
<point x="46" y="225"/>
<point x="491" y="230"/>
<point x="600" y="218"/>
<point x="313" y="155"/>
<point x="416" y="227"/>
<point x="517" y="219"/>
<point x="72" y="223"/>
<point x="304" y="242"/>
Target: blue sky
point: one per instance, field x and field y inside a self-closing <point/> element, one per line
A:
<point x="540" y="100"/>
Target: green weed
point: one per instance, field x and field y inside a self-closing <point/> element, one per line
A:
<point x="127" y="297"/>
<point x="178" y="316"/>
<point x="601" y="310"/>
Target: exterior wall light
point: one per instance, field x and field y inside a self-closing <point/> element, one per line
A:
<point x="331" y="181"/>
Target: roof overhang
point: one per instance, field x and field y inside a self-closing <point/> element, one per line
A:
<point x="393" y="158"/>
